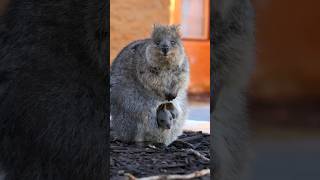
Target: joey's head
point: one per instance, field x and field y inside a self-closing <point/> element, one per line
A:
<point x="165" y="46"/>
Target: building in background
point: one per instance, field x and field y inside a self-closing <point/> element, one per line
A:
<point x="194" y="18"/>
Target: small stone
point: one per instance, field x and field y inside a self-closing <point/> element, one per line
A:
<point x="121" y="172"/>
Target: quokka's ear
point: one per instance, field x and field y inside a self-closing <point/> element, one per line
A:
<point x="176" y="28"/>
<point x="155" y="26"/>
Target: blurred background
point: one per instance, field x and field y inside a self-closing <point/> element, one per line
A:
<point x="285" y="90"/>
<point x="284" y="95"/>
<point x="133" y="19"/>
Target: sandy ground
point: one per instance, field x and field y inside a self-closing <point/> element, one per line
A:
<point x="197" y="126"/>
<point x="198" y="117"/>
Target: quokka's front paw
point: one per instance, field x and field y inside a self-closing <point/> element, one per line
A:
<point x="173" y="110"/>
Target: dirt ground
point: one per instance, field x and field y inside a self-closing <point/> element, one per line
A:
<point x="188" y="155"/>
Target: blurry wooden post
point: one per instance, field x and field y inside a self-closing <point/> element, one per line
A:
<point x="3" y="6"/>
<point x="131" y="20"/>
<point x="193" y="16"/>
<point x="288" y="51"/>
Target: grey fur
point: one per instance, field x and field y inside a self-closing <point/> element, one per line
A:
<point x="142" y="79"/>
<point x="233" y="54"/>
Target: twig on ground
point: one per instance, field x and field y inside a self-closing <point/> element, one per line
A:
<point x="181" y="144"/>
<point x="198" y="154"/>
<point x="195" y="174"/>
<point x="191" y="138"/>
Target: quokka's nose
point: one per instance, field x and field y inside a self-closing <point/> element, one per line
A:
<point x="170" y="96"/>
<point x="167" y="126"/>
<point x="165" y="49"/>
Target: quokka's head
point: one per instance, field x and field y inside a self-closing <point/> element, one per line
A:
<point x="166" y="42"/>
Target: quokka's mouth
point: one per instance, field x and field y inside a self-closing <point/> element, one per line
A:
<point x="168" y="54"/>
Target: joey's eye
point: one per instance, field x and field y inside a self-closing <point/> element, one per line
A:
<point x="172" y="42"/>
<point x="157" y="42"/>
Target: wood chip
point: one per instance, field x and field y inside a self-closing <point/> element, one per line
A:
<point x="195" y="174"/>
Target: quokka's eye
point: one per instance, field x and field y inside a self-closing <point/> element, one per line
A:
<point x="157" y="42"/>
<point x="172" y="42"/>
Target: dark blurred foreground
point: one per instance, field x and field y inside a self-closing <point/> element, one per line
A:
<point x="285" y="91"/>
<point x="286" y="141"/>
